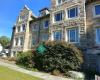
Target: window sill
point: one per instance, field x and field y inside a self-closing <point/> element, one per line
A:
<point x="96" y="16"/>
<point x="58" y="22"/>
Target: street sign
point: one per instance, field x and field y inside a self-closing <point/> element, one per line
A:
<point x="41" y="48"/>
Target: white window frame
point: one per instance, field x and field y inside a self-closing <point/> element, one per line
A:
<point x="96" y="36"/>
<point x="58" y="3"/>
<point x="35" y="25"/>
<point x="20" y="41"/>
<point x="53" y="34"/>
<point x="66" y="35"/>
<point x="44" y="35"/>
<point x="44" y="24"/>
<point x="61" y="11"/>
<point x="94" y="13"/>
<point x="75" y="12"/>
<point x="22" y="27"/>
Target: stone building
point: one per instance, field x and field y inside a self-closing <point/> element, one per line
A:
<point x="21" y="32"/>
<point x="73" y="21"/>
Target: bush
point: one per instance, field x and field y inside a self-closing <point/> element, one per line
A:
<point x="25" y="59"/>
<point x="60" y="56"/>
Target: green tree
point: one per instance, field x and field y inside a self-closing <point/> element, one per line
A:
<point x="4" y="41"/>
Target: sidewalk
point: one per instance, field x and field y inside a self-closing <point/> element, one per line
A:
<point x="44" y="76"/>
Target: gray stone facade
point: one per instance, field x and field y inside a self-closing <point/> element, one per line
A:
<point x="85" y="25"/>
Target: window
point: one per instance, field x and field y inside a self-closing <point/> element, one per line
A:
<point x="73" y="12"/>
<point x="58" y="16"/>
<point x="97" y="10"/>
<point x="18" y="29"/>
<point x="72" y="35"/>
<point x="35" y="27"/>
<point x="45" y="37"/>
<point x="46" y="24"/>
<point x="23" y="27"/>
<point x="59" y="2"/>
<point x="16" y="41"/>
<point x="57" y="35"/>
<point x="98" y="35"/>
<point x="33" y="42"/>
<point x="21" y="40"/>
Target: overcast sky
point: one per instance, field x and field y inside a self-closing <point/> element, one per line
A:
<point x="9" y="10"/>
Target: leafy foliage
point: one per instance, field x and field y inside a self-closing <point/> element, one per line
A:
<point x="4" y="41"/>
<point x="25" y="59"/>
<point x="60" y="56"/>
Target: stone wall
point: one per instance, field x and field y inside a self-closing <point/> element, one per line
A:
<point x="70" y="23"/>
<point x="37" y="34"/>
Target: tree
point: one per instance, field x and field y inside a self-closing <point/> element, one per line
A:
<point x="4" y="41"/>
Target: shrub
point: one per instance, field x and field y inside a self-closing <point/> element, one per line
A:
<point x="60" y="56"/>
<point x="25" y="59"/>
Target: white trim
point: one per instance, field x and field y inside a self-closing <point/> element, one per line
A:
<point x="44" y="24"/>
<point x="52" y="37"/>
<point x="57" y="13"/>
<point x="57" y="4"/>
<point x="69" y="8"/>
<point x="66" y="35"/>
<point x="94" y="14"/>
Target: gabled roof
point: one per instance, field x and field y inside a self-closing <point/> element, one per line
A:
<point x="26" y="7"/>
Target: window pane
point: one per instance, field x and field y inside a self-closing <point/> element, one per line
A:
<point x="45" y="37"/>
<point x="18" y="28"/>
<point x="73" y="12"/>
<point x="16" y="41"/>
<point x="97" y="10"/>
<point x="23" y="27"/>
<point x="77" y="35"/>
<point x="46" y="24"/>
<point x="33" y="42"/>
<point x="98" y="34"/>
<point x="57" y="35"/>
<point x="72" y="35"/>
<point x="21" y="40"/>
<point x="58" y="16"/>
<point x="59" y="1"/>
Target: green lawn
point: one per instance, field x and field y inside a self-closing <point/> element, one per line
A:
<point x="8" y="74"/>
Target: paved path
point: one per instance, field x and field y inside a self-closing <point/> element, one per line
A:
<point x="44" y="76"/>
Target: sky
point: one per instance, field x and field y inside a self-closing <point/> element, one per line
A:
<point x="9" y="11"/>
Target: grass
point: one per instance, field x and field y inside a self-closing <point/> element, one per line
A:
<point x="8" y="74"/>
